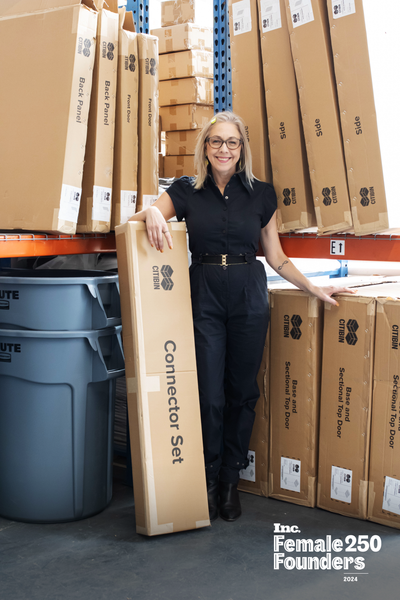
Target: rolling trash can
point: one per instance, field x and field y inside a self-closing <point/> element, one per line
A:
<point x="57" y="392"/>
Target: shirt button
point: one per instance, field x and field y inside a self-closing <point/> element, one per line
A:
<point x="226" y="197"/>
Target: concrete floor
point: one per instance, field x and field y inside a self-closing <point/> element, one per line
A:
<point x="103" y="558"/>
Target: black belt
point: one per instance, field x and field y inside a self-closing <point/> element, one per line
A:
<point x="224" y="260"/>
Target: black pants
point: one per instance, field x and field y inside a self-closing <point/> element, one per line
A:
<point x="230" y="313"/>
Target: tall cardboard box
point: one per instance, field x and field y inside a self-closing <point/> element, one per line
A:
<point x="185" y="116"/>
<point x="312" y="55"/>
<point x="188" y="90"/>
<point x="148" y="120"/>
<point x="364" y="43"/>
<point x="247" y="82"/>
<point x="186" y="36"/>
<point x="124" y="190"/>
<point x="290" y="174"/>
<point x="43" y="116"/>
<point x="254" y="479"/>
<point x="175" y="12"/>
<point x="95" y="207"/>
<point x="177" y="166"/>
<point x="345" y="413"/>
<point x="295" y="376"/>
<point x="163" y="404"/>
<point x="189" y="63"/>
<point x="180" y="142"/>
<point x="384" y="469"/>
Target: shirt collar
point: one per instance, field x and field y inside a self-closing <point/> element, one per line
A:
<point x="241" y="176"/>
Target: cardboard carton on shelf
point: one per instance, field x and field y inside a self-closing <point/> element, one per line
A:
<point x="42" y="161"/>
<point x="189" y="63"/>
<point x="186" y="36"/>
<point x="95" y="206"/>
<point x="185" y="116"/>
<point x="290" y="174"/>
<point x="176" y="12"/>
<point x="124" y="191"/>
<point x="163" y="404"/>
<point x="247" y="77"/>
<point x="312" y="55"/>
<point x="177" y="166"/>
<point x="364" y="41"/>
<point x="189" y="90"/>
<point x="180" y="142"/>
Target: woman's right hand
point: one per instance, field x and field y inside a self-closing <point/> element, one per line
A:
<point x="157" y="228"/>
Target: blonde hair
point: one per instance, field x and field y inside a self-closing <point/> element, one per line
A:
<point x="200" y="164"/>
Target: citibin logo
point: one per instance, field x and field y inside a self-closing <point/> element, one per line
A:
<point x="295" y="331"/>
<point x="351" y="336"/>
<point x="162" y="278"/>
<point x="289" y="196"/>
<point x="84" y="46"/>
<point x="367" y="196"/>
<point x="328" y="199"/>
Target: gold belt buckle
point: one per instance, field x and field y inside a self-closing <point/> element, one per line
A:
<point x="224" y="260"/>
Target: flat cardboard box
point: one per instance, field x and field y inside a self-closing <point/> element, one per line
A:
<point x="364" y="44"/>
<point x="295" y="377"/>
<point x="254" y="479"/>
<point x="185" y="116"/>
<point x="191" y="63"/>
<point x="95" y="207"/>
<point x="290" y="174"/>
<point x="247" y="82"/>
<point x="178" y="166"/>
<point x="190" y="90"/>
<point x="384" y="469"/>
<point x="44" y="119"/>
<point x="180" y="142"/>
<point x="312" y="55"/>
<point x="345" y="411"/>
<point x="148" y="120"/>
<point x="163" y="403"/>
<point x="184" y="37"/>
<point x="124" y="191"/>
<point x="175" y="12"/>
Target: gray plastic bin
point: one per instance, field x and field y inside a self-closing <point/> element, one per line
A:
<point x="58" y="300"/>
<point x="57" y="393"/>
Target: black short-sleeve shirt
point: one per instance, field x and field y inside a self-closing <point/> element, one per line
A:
<point x="223" y="224"/>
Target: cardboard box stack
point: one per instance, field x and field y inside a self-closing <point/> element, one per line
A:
<point x="44" y="119"/>
<point x="186" y="80"/>
<point x="163" y="404"/>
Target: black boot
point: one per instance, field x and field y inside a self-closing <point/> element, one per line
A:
<point x="229" y="502"/>
<point x="212" y="493"/>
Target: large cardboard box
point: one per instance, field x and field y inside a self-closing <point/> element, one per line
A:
<point x="163" y="404"/>
<point x="95" y="207"/>
<point x="295" y="376"/>
<point x="345" y="413"/>
<point x="190" y="63"/>
<point x="175" y="12"/>
<point x="364" y="42"/>
<point x="312" y="55"/>
<point x="185" y="116"/>
<point x="290" y="174"/>
<point x="148" y="120"/>
<point x="254" y="479"/>
<point x="124" y="190"/>
<point x="180" y="142"/>
<point x="184" y="37"/>
<point x="177" y="166"/>
<point x="247" y="78"/>
<point x="190" y="90"/>
<point x="44" y="113"/>
<point x="384" y="470"/>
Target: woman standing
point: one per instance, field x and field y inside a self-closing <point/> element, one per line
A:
<point x="227" y="213"/>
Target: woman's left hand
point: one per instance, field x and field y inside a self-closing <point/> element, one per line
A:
<point x="325" y="293"/>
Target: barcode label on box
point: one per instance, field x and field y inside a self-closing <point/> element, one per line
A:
<point x="270" y="15"/>
<point x="301" y="12"/>
<point x="148" y="200"/>
<point x="128" y="205"/>
<point x="391" y="495"/>
<point x="341" y="481"/>
<point x="69" y="203"/>
<point x="290" y="474"/>
<point x="249" y="474"/>
<point x="343" y="8"/>
<point x="101" y="209"/>
<point x="241" y="13"/>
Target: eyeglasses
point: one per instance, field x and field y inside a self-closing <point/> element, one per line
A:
<point x="216" y="142"/>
